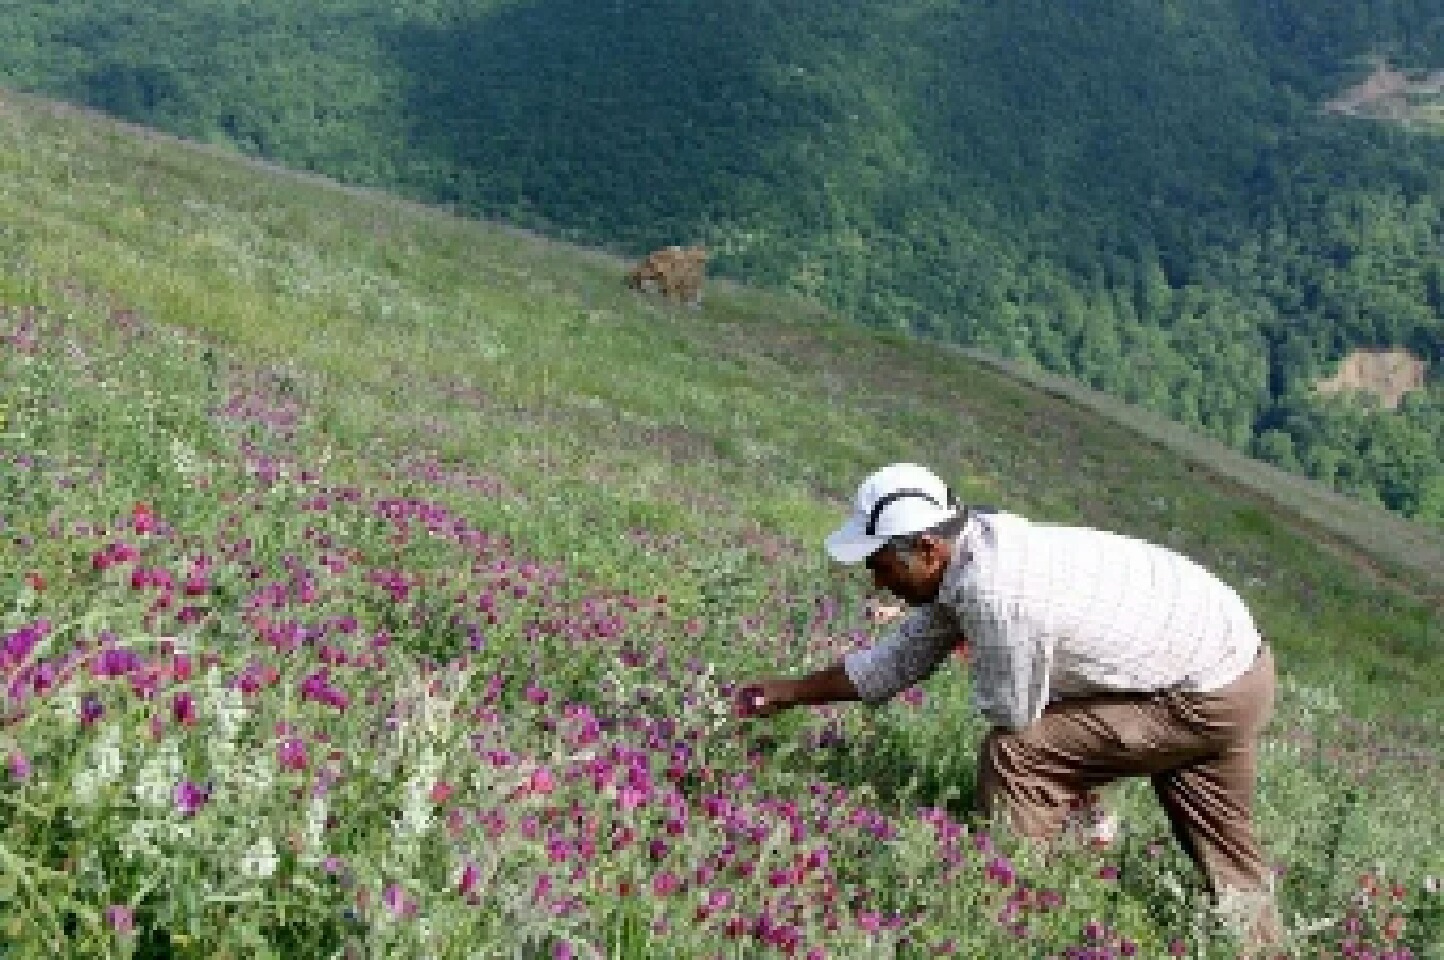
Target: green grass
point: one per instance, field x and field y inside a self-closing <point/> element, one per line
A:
<point x="700" y="454"/>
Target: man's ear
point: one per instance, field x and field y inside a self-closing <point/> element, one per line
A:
<point x="938" y="549"/>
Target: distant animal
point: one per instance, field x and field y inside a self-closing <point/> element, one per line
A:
<point x="676" y="273"/>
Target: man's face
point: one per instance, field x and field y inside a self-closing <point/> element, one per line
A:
<point x="915" y="580"/>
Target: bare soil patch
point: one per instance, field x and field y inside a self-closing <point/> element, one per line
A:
<point x="1403" y="96"/>
<point x="1389" y="375"/>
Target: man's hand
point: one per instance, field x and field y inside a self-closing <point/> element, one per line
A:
<point x="763" y="697"/>
<point x="767" y="696"/>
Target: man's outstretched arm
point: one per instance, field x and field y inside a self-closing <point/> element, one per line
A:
<point x="769" y="695"/>
<point x="915" y="647"/>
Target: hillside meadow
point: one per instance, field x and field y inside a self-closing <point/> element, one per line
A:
<point x="374" y="583"/>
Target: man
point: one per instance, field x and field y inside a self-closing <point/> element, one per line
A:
<point x="1094" y="657"/>
<point x="1089" y="820"/>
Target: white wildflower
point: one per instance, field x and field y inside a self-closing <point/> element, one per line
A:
<point x="107" y="765"/>
<point x="1304" y="927"/>
<point x="1169" y="881"/>
<point x="437" y="716"/>
<point x="158" y="776"/>
<point x="315" y="825"/>
<point x="712" y="709"/>
<point x="225" y="705"/>
<point x="416" y="816"/>
<point x="139" y="840"/>
<point x="67" y="709"/>
<point x="260" y="861"/>
<point x="1313" y="702"/>
<point x="1240" y="911"/>
<point x="91" y="869"/>
<point x="256" y="778"/>
<point x="225" y="708"/>
<point x="85" y="786"/>
<point x="183" y="458"/>
<point x="433" y="718"/>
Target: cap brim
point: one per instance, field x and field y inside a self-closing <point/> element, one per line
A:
<point x="850" y="543"/>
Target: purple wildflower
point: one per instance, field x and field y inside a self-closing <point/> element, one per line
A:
<point x="91" y="709"/>
<point x="470" y="879"/>
<point x="397" y="902"/>
<point x="183" y="708"/>
<point x="1000" y="871"/>
<point x="120" y="918"/>
<point x="18" y="644"/>
<point x="291" y="754"/>
<point x="190" y="797"/>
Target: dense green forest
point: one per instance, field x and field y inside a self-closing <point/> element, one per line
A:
<point x="1144" y="195"/>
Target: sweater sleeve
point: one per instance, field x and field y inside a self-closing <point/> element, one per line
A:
<point x="910" y="653"/>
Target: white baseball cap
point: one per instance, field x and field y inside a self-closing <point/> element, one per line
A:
<point x="899" y="499"/>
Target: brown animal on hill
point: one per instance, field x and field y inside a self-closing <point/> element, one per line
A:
<point x="674" y="272"/>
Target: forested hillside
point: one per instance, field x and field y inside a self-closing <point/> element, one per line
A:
<point x="1147" y="196"/>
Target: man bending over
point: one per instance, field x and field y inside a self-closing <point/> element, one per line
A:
<point x="1094" y="656"/>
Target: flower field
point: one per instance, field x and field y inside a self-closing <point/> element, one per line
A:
<point x="259" y="703"/>
<point x="293" y="669"/>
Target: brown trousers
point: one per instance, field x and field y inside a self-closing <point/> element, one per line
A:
<point x="1199" y="749"/>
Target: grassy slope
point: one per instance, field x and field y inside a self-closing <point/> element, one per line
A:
<point x="753" y="414"/>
